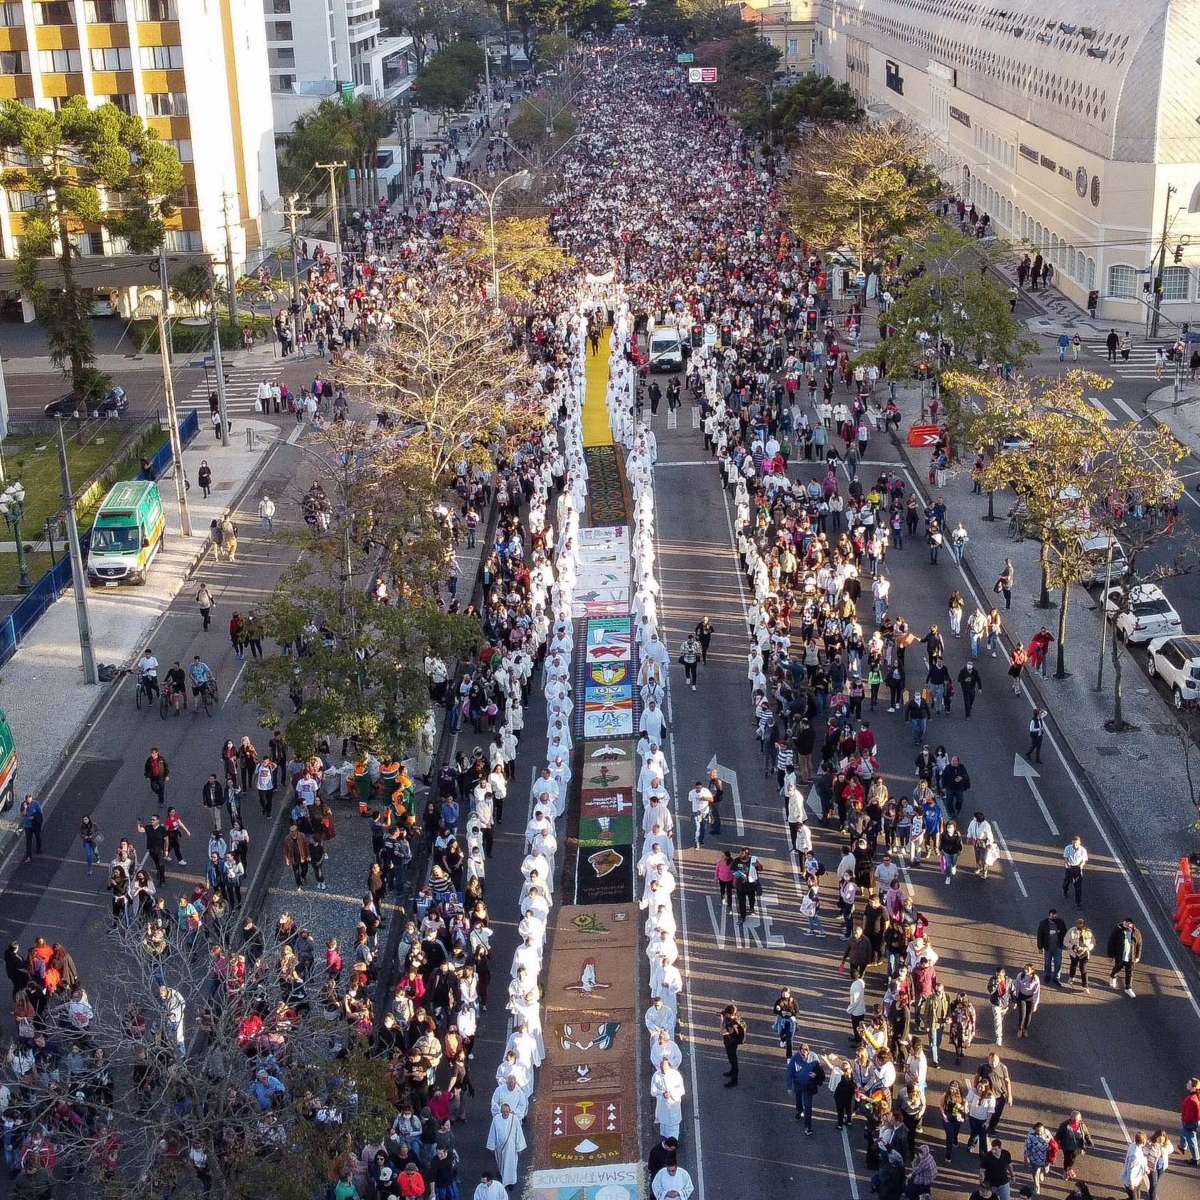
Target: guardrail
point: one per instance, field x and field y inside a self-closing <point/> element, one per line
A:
<point x="18" y="623"/>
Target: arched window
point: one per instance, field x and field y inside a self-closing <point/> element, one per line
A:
<point x="1037" y="234"/>
<point x="1194" y="202"/>
<point x="1175" y="283"/>
<point x="1091" y="274"/>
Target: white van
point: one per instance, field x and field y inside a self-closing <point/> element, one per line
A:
<point x="666" y="349"/>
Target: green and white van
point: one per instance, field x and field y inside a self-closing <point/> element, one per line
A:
<point x="8" y="765"/>
<point x="127" y="534"/>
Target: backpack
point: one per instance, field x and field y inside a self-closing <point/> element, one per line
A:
<point x="737" y="1034"/>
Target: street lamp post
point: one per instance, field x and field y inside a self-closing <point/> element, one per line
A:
<point x="12" y="506"/>
<point x="489" y="199"/>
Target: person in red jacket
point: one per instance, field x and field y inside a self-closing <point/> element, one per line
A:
<point x="412" y="1182"/>
<point x="1189" y="1119"/>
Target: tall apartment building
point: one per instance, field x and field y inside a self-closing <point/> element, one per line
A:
<point x="319" y="48"/>
<point x="1076" y="127"/>
<point x="196" y="71"/>
<point x="789" y="27"/>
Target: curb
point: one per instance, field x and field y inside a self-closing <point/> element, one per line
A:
<point x="1137" y="872"/>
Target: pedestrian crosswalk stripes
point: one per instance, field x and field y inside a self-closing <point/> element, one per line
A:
<point x="241" y="388"/>
<point x="1139" y="365"/>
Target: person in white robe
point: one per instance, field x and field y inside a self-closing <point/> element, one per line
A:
<point x="506" y="1140"/>
<point x="672" y="1183"/>
<point x="667" y="1090"/>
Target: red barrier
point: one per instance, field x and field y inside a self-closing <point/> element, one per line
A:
<point x="924" y="436"/>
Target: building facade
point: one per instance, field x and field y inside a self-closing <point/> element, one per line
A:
<point x="789" y="27"/>
<point x="323" y="48"/>
<point x="196" y="72"/>
<point x="1078" y="130"/>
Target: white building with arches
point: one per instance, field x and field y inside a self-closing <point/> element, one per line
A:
<point x="1078" y="130"/>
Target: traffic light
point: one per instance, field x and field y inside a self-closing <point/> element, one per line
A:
<point x="1179" y="253"/>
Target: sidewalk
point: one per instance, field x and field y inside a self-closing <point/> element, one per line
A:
<point x="46" y="676"/>
<point x="1139" y="774"/>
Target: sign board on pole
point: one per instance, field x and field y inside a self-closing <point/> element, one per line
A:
<point x="685" y="57"/>
<point x="710" y="334"/>
<point x="702" y="74"/>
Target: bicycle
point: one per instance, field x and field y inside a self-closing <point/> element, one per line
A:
<point x="143" y="689"/>
<point x="210" y="697"/>
<point x="169" y="699"/>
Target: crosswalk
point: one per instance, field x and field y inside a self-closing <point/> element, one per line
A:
<point x="241" y="390"/>
<point x="1139" y="366"/>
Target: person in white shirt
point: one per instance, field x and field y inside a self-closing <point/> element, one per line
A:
<point x="659" y="1016"/>
<point x="489" y="1188"/>
<point x="1074" y="857"/>
<point x="980" y="835"/>
<point x="666" y="1087"/>
<point x="510" y="1093"/>
<point x="700" y="799"/>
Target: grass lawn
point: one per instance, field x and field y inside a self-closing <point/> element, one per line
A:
<point x="38" y="565"/>
<point x="33" y="460"/>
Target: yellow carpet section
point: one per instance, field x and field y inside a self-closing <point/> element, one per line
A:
<point x="596" y="429"/>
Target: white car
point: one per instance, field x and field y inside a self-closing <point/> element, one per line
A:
<point x="1176" y="661"/>
<point x="1148" y="615"/>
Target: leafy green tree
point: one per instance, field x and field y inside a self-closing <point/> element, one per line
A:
<point x="436" y="21"/>
<point x="447" y="81"/>
<point x="815" y="98"/>
<point x="84" y="167"/>
<point x="865" y="186"/>
<point x="745" y="65"/>
<point x="347" y="130"/>
<point x="952" y="313"/>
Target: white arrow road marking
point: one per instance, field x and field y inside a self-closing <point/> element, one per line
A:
<point x="1024" y="770"/>
<point x="730" y="778"/>
<point x="1008" y="854"/>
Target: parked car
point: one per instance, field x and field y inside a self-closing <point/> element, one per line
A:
<point x="1148" y="614"/>
<point x="112" y="405"/>
<point x="1176" y="661"/>
<point x="1096" y="548"/>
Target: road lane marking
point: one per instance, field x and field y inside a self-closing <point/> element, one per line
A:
<point x="1113" y="1105"/>
<point x="1008" y="854"/>
<point x="1152" y="923"/>
<point x="1024" y="770"/>
<point x="697" y="1127"/>
<point x="849" y="1164"/>
<point x="730" y="777"/>
<point x="1125" y="408"/>
<point x="695" y="418"/>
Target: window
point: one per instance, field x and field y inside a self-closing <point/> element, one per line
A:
<point x="279" y="31"/>
<point x="166" y="104"/>
<point x="183" y="239"/>
<point x="156" y="10"/>
<point x="104" y="12"/>
<point x="183" y="147"/>
<point x="11" y="14"/>
<point x="58" y="61"/>
<point x="283" y="83"/>
<point x="112" y="58"/>
<point x="277" y="7"/>
<point x="1175" y="283"/>
<point x="53" y="12"/>
<point x="161" y="58"/>
<point x="793" y="47"/>
<point x="1193" y="203"/>
<point x="13" y="62"/>
<point x="1091" y="274"/>
<point x="283" y="56"/>
<point x="1122" y="282"/>
<point x="125" y="101"/>
<point x="91" y="243"/>
<point x="19" y="201"/>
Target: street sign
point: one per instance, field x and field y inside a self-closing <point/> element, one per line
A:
<point x="685" y="57"/>
<point x="710" y="334"/>
<point x="702" y="74"/>
<point x="202" y="362"/>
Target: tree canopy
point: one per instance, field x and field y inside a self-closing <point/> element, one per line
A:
<point x="862" y="186"/>
<point x="336" y="129"/>
<point x="449" y="78"/>
<point x="97" y="167"/>
<point x="525" y="252"/>
<point x="815" y="98"/>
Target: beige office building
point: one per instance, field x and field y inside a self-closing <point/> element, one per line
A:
<point x="196" y="71"/>
<point x="1077" y="128"/>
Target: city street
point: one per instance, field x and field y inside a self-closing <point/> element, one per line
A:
<point x="1078" y="1043"/>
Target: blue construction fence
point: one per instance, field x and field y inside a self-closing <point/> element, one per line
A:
<point x="18" y="623"/>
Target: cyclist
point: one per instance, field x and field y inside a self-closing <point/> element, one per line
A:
<point x="147" y="669"/>
<point x="176" y="685"/>
<point x="200" y="675"/>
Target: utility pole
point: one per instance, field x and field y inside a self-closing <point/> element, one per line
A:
<point x="292" y="213"/>
<point x="333" y="168"/>
<point x="78" y="578"/>
<point x="1157" y="284"/>
<point x="164" y="284"/>
<point x="185" y="517"/>
<point x="230" y="280"/>
<point x="219" y="362"/>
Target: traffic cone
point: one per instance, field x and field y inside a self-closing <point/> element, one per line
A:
<point x="1191" y="919"/>
<point x="1196" y="939"/>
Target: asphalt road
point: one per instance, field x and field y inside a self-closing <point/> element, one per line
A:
<point x="54" y="896"/>
<point x="1114" y="1058"/>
